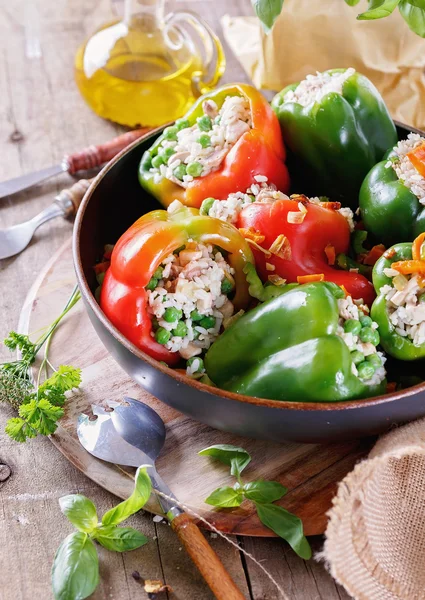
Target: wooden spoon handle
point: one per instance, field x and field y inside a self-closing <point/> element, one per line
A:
<point x="70" y="199"/>
<point x="95" y="156"/>
<point x="207" y="561"/>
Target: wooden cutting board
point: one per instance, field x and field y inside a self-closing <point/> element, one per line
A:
<point x="309" y="471"/>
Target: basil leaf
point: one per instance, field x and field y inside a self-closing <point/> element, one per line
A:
<point x="352" y="2"/>
<point x="75" y="571"/>
<point x="264" y="491"/>
<point x="413" y="13"/>
<point x="119" y="539"/>
<point x="378" y="9"/>
<point x="267" y="11"/>
<point x="225" y="497"/>
<point x="80" y="511"/>
<point x="286" y="525"/>
<point x="139" y="497"/>
<point x="236" y="458"/>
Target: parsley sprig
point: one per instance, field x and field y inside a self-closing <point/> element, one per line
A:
<point x="262" y="493"/>
<point x="39" y="403"/>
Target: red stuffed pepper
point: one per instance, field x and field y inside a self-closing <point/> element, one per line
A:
<point x="175" y="276"/>
<point x="298" y="240"/>
<point x="226" y="139"/>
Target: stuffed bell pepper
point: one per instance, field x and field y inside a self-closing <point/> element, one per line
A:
<point x="308" y="344"/>
<point x="392" y="197"/>
<point x="295" y="239"/>
<point x="338" y="126"/>
<point x="174" y="277"/>
<point x="399" y="310"/>
<point x="227" y="138"/>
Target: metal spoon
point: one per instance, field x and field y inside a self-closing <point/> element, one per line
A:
<point x="15" y="239"/>
<point x="138" y="423"/>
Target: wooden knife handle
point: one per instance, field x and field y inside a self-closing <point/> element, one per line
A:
<point x="207" y="561"/>
<point x="95" y="156"/>
<point x="70" y="199"/>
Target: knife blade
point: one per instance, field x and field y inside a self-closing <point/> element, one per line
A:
<point x="89" y="158"/>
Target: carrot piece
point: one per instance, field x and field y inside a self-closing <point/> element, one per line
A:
<point x="373" y="255"/>
<point x="417" y="158"/>
<point x="389" y="253"/>
<point x="252" y="234"/>
<point x="331" y="205"/>
<point x="310" y="278"/>
<point x="391" y="387"/>
<point x="409" y="267"/>
<point x="344" y="289"/>
<point x="330" y="254"/>
<point x="418" y="247"/>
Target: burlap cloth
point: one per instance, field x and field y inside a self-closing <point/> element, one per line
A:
<point x="315" y="35"/>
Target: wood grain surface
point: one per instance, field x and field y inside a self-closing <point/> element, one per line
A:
<point x="42" y="118"/>
<point x="309" y="471"/>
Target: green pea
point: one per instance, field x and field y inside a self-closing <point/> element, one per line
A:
<point x="170" y="133"/>
<point x="367" y="334"/>
<point x="162" y="335"/>
<point x="158" y="273"/>
<point x="182" y="124"/>
<point x="352" y="326"/>
<point x="204" y="140"/>
<point x="147" y="162"/>
<point x="100" y="277"/>
<point x="204" y="123"/>
<point x="195" y="316"/>
<point x="357" y="357"/>
<point x="365" y="321"/>
<point x="375" y="360"/>
<point x="172" y="314"/>
<point x="194" y="169"/>
<point x="180" y="171"/>
<point x="365" y="370"/>
<point x="181" y="329"/>
<point x="157" y="161"/>
<point x="152" y="284"/>
<point x="200" y="366"/>
<point x="206" y="206"/>
<point x="207" y="322"/>
<point x="226" y="286"/>
<point x="166" y="153"/>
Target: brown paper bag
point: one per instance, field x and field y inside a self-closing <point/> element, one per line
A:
<point x="315" y="35"/>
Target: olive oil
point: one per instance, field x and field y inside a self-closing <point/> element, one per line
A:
<point x="137" y="72"/>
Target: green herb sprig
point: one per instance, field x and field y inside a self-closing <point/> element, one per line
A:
<point x="262" y="493"/>
<point x="412" y="11"/>
<point x="39" y="404"/>
<point x="75" y="570"/>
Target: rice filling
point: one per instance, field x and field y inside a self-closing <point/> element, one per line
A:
<point x="188" y="152"/>
<point x="315" y="87"/>
<point x="359" y="332"/>
<point x="188" y="299"/>
<point x="406" y="305"/>
<point x="405" y="170"/>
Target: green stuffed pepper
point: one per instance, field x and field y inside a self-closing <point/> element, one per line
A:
<point x="308" y="344"/>
<point x="399" y="309"/>
<point x="338" y="126"/>
<point x="392" y="196"/>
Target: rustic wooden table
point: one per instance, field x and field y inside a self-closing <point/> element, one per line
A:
<point x="42" y="117"/>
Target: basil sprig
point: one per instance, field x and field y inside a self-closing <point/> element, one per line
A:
<point x="412" y="11"/>
<point x="261" y="493"/>
<point x="75" y="571"/>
